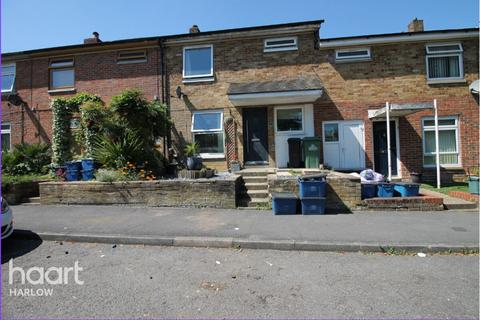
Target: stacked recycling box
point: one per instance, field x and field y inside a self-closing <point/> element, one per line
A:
<point x="313" y="192"/>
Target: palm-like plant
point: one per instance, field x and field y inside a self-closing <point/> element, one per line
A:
<point x="115" y="153"/>
<point x="191" y="149"/>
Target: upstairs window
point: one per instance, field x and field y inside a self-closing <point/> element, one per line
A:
<point x="6" y="136"/>
<point x="125" y="57"/>
<point x="62" y="73"/>
<point x="280" y="44"/>
<point x="207" y="131"/>
<point x="354" y="54"/>
<point x="444" y="61"/>
<point x="198" y="61"/>
<point x="8" y="77"/>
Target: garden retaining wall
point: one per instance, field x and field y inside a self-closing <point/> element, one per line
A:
<point x="213" y="192"/>
<point x="16" y="193"/>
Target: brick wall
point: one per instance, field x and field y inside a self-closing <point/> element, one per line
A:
<point x="96" y="72"/>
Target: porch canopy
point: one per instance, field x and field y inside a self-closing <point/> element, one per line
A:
<point x="300" y="90"/>
<point x="400" y="110"/>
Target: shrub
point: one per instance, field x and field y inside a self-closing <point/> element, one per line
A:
<point x="108" y="175"/>
<point x="27" y="159"/>
<point x="115" y="153"/>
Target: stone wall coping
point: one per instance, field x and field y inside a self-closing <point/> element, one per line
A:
<point x="331" y="175"/>
<point x="140" y="182"/>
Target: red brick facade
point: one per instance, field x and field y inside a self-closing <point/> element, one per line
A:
<point x="396" y="73"/>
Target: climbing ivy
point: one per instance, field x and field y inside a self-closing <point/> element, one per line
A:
<point x="62" y="109"/>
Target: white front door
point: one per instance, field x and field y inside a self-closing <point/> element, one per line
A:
<point x="294" y="121"/>
<point x="344" y="144"/>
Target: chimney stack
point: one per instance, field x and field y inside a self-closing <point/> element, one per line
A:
<point x="95" y="39"/>
<point x="194" y="29"/>
<point x="415" y="26"/>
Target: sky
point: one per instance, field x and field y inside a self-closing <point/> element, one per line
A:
<point x="34" y="24"/>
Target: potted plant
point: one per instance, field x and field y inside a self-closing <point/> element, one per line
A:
<point x="194" y="162"/>
<point x="416" y="177"/>
<point x="473" y="180"/>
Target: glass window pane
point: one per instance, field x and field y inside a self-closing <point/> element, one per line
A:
<point x="207" y="121"/>
<point x="61" y="63"/>
<point x="441" y="122"/>
<point x="444" y="159"/>
<point x="210" y="142"/>
<point x="289" y="119"/>
<point x="198" y="62"/>
<point x="443" y="67"/>
<point x="447" y="141"/>
<point x="5" y="141"/>
<point x="62" y="78"/>
<point x="5" y="126"/>
<point x="331" y="132"/>
<point x="7" y="82"/>
<point x="8" y="69"/>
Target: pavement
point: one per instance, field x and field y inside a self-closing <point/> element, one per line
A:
<point x="362" y="231"/>
<point x="131" y="282"/>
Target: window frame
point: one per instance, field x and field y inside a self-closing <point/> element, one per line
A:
<point x="7" y="131"/>
<point x="441" y="54"/>
<point x="324" y="123"/>
<point x="51" y="69"/>
<point x="455" y="127"/>
<point x="209" y="75"/>
<point x="302" y="108"/>
<point x="367" y="57"/>
<point x="221" y="130"/>
<point x="277" y="48"/>
<point x="141" y="58"/>
<point x="9" y="64"/>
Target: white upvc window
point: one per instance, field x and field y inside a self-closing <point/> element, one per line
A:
<point x="353" y="54"/>
<point x="207" y="131"/>
<point x="330" y="132"/>
<point x="131" y="56"/>
<point x="280" y="44"/>
<point x="8" y="77"/>
<point x="6" y="136"/>
<point x="198" y="62"/>
<point x="444" y="62"/>
<point x="289" y="120"/>
<point x="62" y="73"/>
<point x="449" y="142"/>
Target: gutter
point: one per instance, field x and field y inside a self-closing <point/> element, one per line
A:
<point x="397" y="38"/>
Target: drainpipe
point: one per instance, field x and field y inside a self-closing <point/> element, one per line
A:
<point x="165" y="92"/>
<point x="437" y="147"/>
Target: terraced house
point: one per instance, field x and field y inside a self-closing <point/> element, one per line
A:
<point x="242" y="93"/>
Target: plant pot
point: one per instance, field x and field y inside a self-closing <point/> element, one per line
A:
<point x="416" y="177"/>
<point x="194" y="163"/>
<point x="473" y="184"/>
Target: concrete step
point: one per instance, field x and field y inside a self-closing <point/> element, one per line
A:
<point x="256" y="186"/>
<point x="257" y="194"/>
<point x="259" y="203"/>
<point x="255" y="179"/>
<point x="256" y="172"/>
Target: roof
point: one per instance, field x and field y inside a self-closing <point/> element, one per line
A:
<point x="299" y="84"/>
<point x="166" y="37"/>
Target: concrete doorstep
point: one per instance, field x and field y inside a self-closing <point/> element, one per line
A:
<point x="238" y="243"/>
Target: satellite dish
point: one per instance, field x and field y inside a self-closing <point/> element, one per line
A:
<point x="475" y="87"/>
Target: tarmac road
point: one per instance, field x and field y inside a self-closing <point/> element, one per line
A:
<point x="151" y="282"/>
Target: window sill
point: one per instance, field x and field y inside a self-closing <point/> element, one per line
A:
<point x="64" y="90"/>
<point x="212" y="156"/>
<point x="132" y="61"/>
<point x="7" y="93"/>
<point x="353" y="60"/>
<point x="446" y="81"/>
<point x="200" y="79"/>
<point x="280" y="49"/>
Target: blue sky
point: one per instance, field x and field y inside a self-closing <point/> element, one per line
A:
<point x="33" y="24"/>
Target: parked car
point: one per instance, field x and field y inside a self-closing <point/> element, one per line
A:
<point x="7" y="219"/>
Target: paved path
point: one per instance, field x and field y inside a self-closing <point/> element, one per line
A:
<point x="168" y="282"/>
<point x="117" y="224"/>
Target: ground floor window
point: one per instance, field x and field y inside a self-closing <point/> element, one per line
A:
<point x="207" y="131"/>
<point x="6" y="136"/>
<point x="448" y="141"/>
<point x="289" y="119"/>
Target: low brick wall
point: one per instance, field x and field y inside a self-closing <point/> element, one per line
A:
<point x="421" y="203"/>
<point x="15" y="193"/>
<point x="343" y="190"/>
<point x="213" y="193"/>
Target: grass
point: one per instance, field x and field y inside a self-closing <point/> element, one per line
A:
<point x="10" y="179"/>
<point x="457" y="186"/>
